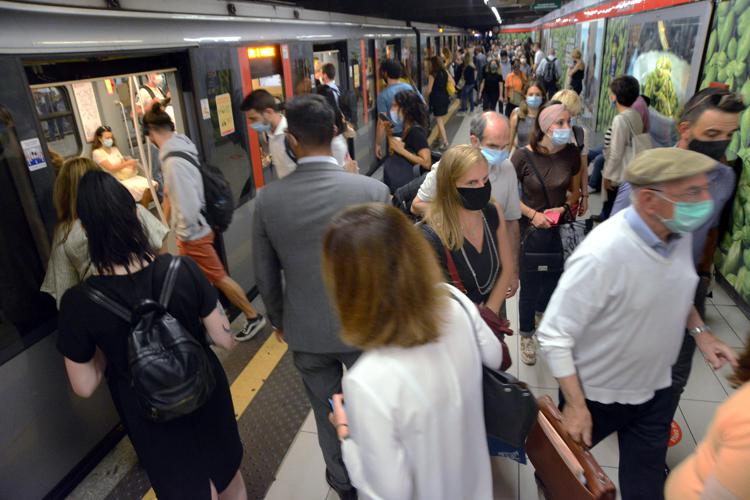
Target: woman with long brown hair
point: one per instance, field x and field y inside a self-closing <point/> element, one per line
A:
<point x="69" y="262"/>
<point x="413" y="426"/>
<point x="718" y="467"/>
<point x="546" y="171"/>
<point x="437" y="95"/>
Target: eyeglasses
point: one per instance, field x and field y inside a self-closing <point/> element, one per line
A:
<point x="719" y="99"/>
<point x="692" y="194"/>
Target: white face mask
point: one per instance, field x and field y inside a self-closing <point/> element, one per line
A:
<point x="108" y="142"/>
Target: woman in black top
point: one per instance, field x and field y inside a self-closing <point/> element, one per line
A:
<point x="437" y="96"/>
<point x="411" y="152"/>
<point x="192" y="456"/>
<point x="469" y="77"/>
<point x="465" y="223"/>
<point x="576" y="72"/>
<point x="489" y="89"/>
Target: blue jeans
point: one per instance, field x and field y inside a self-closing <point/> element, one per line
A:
<point x="467" y="93"/>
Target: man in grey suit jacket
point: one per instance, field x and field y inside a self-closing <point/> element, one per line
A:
<point x="291" y="216"/>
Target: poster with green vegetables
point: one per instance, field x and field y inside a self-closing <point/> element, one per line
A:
<point x="726" y="61"/>
<point x="563" y="40"/>
<point x="659" y="48"/>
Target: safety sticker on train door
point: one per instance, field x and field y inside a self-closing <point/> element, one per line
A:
<point x="32" y="151"/>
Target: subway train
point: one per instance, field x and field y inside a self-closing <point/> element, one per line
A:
<point x="69" y="67"/>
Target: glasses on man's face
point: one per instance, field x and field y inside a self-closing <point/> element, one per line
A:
<point x="718" y="99"/>
<point x="692" y="194"/>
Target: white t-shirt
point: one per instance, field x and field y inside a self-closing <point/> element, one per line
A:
<point x="144" y="96"/>
<point x="281" y="161"/>
<point x="415" y="414"/>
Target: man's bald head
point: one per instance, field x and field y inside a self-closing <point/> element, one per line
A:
<point x="491" y="130"/>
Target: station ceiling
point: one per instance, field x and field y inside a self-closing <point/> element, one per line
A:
<point x="460" y="13"/>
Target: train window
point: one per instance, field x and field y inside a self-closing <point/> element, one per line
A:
<point x="54" y="110"/>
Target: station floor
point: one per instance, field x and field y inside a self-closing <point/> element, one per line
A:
<point x="283" y="461"/>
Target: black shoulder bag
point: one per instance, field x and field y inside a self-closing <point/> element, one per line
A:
<point x="510" y="408"/>
<point x="541" y="249"/>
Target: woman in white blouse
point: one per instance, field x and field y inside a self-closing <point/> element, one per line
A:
<point x="413" y="423"/>
<point x="106" y="154"/>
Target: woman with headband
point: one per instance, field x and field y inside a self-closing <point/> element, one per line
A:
<point x="546" y="170"/>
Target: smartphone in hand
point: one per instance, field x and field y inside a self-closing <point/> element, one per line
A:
<point x="552" y="217"/>
<point x="385" y="117"/>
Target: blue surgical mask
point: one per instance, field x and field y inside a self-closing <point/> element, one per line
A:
<point x="688" y="216"/>
<point x="495" y="156"/>
<point x="108" y="143"/>
<point x="396" y="119"/>
<point x="534" y="101"/>
<point x="261" y="127"/>
<point x="561" y="136"/>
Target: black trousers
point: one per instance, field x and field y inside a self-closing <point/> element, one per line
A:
<point x="321" y="374"/>
<point x="643" y="435"/>
<point x="607" y="206"/>
<point x="683" y="365"/>
<point x="536" y="290"/>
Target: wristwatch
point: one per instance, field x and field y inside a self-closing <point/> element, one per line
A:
<point x="698" y="329"/>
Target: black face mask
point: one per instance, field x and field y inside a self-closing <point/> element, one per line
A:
<point x="475" y="198"/>
<point x="712" y="149"/>
<point x="289" y="151"/>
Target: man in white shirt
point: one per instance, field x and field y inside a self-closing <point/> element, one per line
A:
<point x="489" y="131"/>
<point x="538" y="56"/>
<point x="615" y="323"/>
<point x="266" y="118"/>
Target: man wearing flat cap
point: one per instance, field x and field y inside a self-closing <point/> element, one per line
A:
<point x="615" y="323"/>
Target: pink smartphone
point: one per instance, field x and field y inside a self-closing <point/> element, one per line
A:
<point x="552" y="217"/>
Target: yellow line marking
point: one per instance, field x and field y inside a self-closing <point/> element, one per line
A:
<point x="250" y="380"/>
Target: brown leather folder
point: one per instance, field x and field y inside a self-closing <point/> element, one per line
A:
<point x="561" y="463"/>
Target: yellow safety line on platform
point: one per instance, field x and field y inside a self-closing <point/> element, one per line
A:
<point x="250" y="380"/>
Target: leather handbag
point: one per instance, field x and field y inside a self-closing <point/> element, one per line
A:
<point x="510" y="409"/>
<point x="564" y="469"/>
<point x="499" y="326"/>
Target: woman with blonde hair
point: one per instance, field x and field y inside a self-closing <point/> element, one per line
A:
<point x="576" y="72"/>
<point x="465" y="228"/>
<point x="579" y="137"/>
<point x="69" y="262"/>
<point x="469" y="78"/>
<point x="413" y="425"/>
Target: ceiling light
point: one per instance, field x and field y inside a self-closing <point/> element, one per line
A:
<point x="497" y="15"/>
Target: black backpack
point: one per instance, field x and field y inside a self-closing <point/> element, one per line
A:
<point x="404" y="196"/>
<point x="219" y="207"/>
<point x="550" y="71"/>
<point x="168" y="367"/>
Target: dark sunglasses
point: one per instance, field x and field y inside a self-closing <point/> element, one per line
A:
<point x="719" y="99"/>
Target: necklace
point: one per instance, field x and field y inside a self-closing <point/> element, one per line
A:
<point x="494" y="262"/>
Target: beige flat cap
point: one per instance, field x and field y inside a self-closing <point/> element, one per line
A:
<point x="666" y="164"/>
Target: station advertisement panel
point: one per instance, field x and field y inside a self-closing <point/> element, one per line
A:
<point x="658" y="48"/>
<point x="726" y="61"/>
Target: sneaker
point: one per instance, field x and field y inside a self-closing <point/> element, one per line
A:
<point x="528" y="350"/>
<point x="251" y="328"/>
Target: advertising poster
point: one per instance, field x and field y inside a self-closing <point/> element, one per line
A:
<point x="727" y="58"/>
<point x="658" y="48"/>
<point x="224" y="110"/>
<point x="563" y="40"/>
<point x="87" y="108"/>
<point x="591" y="41"/>
<point x="32" y="151"/>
